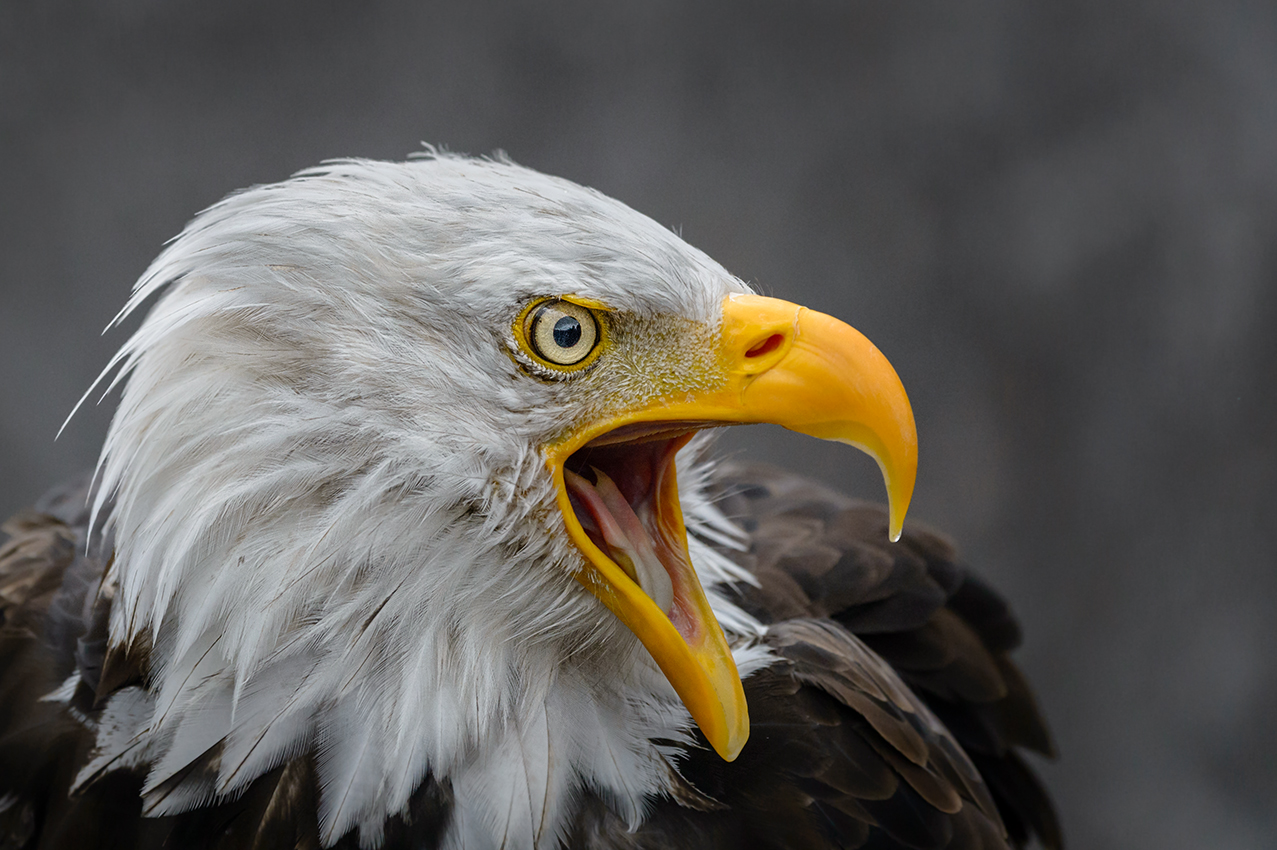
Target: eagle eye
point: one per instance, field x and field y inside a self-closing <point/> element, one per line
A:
<point x="561" y="333"/>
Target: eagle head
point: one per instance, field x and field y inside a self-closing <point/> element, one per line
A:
<point x="394" y="479"/>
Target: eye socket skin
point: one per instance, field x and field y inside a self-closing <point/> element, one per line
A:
<point x="561" y="333"/>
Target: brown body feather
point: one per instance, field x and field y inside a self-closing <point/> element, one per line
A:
<point x="893" y="716"/>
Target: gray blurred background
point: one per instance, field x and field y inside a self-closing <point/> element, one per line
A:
<point x="1057" y="221"/>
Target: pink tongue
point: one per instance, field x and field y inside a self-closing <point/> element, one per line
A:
<point x="626" y="539"/>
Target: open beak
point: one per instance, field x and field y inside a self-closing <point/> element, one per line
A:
<point x="617" y="490"/>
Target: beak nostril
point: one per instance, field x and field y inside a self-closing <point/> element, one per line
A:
<point x="767" y="346"/>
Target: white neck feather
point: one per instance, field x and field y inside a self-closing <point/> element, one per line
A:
<point x="386" y="681"/>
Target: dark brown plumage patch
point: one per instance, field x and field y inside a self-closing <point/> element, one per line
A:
<point x="944" y="633"/>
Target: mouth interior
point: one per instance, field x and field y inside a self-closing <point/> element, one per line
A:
<point x="623" y="490"/>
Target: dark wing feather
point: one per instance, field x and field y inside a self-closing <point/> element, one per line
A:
<point x="41" y="577"/>
<point x="944" y="633"/>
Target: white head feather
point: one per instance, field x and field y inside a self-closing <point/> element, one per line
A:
<point x="332" y="520"/>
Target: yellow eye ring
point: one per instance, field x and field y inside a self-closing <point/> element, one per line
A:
<point x="560" y="334"/>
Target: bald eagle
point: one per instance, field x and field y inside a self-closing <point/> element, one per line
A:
<point x="405" y="535"/>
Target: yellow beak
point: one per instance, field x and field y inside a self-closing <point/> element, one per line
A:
<point x="782" y="364"/>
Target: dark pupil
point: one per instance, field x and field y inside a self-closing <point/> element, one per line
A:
<point x="567" y="332"/>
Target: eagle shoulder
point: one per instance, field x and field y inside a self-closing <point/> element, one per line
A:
<point x="912" y="646"/>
